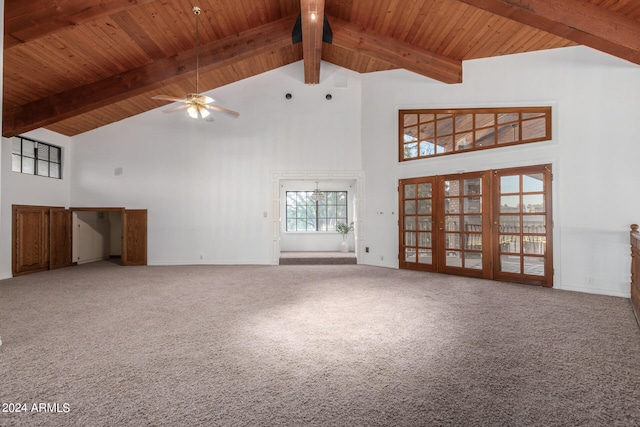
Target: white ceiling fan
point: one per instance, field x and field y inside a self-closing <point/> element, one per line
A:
<point x="197" y="105"/>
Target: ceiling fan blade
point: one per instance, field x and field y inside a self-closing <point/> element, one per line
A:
<point x="178" y="108"/>
<point x="224" y="110"/>
<point x="168" y="98"/>
<point x="204" y="99"/>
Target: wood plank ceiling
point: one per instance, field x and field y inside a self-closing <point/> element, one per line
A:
<point x="77" y="65"/>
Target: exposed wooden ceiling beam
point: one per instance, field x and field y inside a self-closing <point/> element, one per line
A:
<point x="312" y="17"/>
<point x="215" y="55"/>
<point x="404" y="55"/>
<point x="577" y="20"/>
<point x="29" y="20"/>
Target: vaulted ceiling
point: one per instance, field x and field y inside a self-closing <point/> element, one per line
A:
<point x="75" y="65"/>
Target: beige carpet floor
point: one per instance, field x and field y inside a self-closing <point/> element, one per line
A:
<point x="104" y="345"/>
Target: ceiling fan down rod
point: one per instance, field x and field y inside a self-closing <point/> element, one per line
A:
<point x="196" y="11"/>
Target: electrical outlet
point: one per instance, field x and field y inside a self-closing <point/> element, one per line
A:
<point x="588" y="280"/>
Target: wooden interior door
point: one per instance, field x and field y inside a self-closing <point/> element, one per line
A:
<point x="30" y="236"/>
<point x="523" y="225"/>
<point x="463" y="215"/>
<point x="134" y="237"/>
<point x="60" y="238"/>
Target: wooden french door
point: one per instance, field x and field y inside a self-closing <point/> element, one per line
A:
<point x="462" y="245"/>
<point x="416" y="223"/>
<point x="490" y="224"/>
<point x="522" y="231"/>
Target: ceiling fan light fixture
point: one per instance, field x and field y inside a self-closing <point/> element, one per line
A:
<point x="197" y="105"/>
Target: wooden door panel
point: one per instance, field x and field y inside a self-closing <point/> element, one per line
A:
<point x="416" y="213"/>
<point x="30" y="239"/>
<point x="523" y="225"/>
<point x="462" y="211"/>
<point x="134" y="237"/>
<point x="60" y="239"/>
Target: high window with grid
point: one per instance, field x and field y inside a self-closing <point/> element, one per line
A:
<point x="36" y="158"/>
<point x="430" y="133"/>
<point x="305" y="214"/>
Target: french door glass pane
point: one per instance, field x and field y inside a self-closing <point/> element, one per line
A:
<point x="534" y="265"/>
<point x="473" y="223"/>
<point x="452" y="241"/>
<point x="510" y="244"/>
<point x="410" y="238"/>
<point x="534" y="224"/>
<point x="424" y="207"/>
<point x="424" y="240"/>
<point x="532" y="183"/>
<point x="410" y="255"/>
<point x="409" y="223"/>
<point x="509" y="223"/>
<point x="534" y="245"/>
<point x="510" y="184"/>
<point x="409" y="191"/>
<point x="472" y="186"/>
<point x="473" y="241"/>
<point x="533" y="202"/>
<point x="454" y="259"/>
<point x="452" y="223"/>
<point x="472" y="205"/>
<point x="452" y="206"/>
<point x="424" y="191"/>
<point x="424" y="223"/>
<point x="510" y="264"/>
<point x="425" y="256"/>
<point x="452" y="188"/>
<point x="509" y="204"/>
<point x="473" y="260"/>
<point x="409" y="207"/>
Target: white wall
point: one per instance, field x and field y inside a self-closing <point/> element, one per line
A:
<point x="207" y="185"/>
<point x="22" y="189"/>
<point x="594" y="152"/>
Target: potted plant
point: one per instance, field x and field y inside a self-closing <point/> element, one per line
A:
<point x="344" y="229"/>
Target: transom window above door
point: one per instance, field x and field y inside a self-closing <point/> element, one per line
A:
<point x="429" y="133"/>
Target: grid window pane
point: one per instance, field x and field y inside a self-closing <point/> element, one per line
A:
<point x="36" y="158"/>
<point x="28" y="165"/>
<point x="305" y="214"/>
<point x="441" y="132"/>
